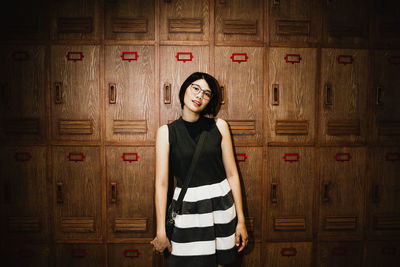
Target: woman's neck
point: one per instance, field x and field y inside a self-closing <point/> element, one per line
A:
<point x="189" y="115"/>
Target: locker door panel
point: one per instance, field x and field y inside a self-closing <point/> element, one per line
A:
<point x="343" y="93"/>
<point x="184" y="20"/>
<point x="340" y="254"/>
<point x="249" y="163"/>
<point x="288" y="254"/>
<point x="23" y="83"/>
<point x="125" y="255"/>
<point x="85" y="255"/>
<point x="24" y="198"/>
<point x="289" y="196"/>
<point x="293" y="21"/>
<point x="239" y="71"/>
<point x="383" y="253"/>
<point x="386" y="97"/>
<point x="127" y="20"/>
<point x="26" y="254"/>
<point x="77" y="192"/>
<point x="239" y="20"/>
<point x="341" y="195"/>
<point x="130" y="192"/>
<point x="75" y="92"/>
<point x="130" y="106"/>
<point x="385" y="18"/>
<point x="176" y="64"/>
<point x="291" y="95"/>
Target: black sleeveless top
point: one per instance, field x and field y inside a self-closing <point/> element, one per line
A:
<point x="183" y="137"/>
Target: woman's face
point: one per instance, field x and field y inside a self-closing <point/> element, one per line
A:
<point x="197" y="102"/>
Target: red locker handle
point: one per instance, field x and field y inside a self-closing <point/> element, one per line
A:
<point x="342" y="157"/>
<point x="239" y="57"/>
<point x="129" y="56"/>
<point x="339" y="251"/>
<point x="22" y="156"/>
<point x="20" y="56"/>
<point x="79" y="253"/>
<point x="392" y="157"/>
<point x="241" y="157"/>
<point x="131" y="253"/>
<point x="394" y="60"/>
<point x="389" y="250"/>
<point x="128" y="157"/>
<point x="293" y="58"/>
<point x="75" y="56"/>
<point x="184" y="56"/>
<point x="76" y="157"/>
<point x="291" y="157"/>
<point x="288" y="252"/>
<point x="345" y="59"/>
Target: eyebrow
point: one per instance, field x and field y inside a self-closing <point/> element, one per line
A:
<point x="201" y="88"/>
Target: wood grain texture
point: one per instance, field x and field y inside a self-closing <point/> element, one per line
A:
<point x="244" y="84"/>
<point x="294" y="198"/>
<point x="296" y="83"/>
<point x="134" y="254"/>
<point x="300" y="251"/>
<point x="80" y="255"/>
<point x="385" y="24"/>
<point x="133" y="116"/>
<point x="383" y="253"/>
<point x="129" y="20"/>
<point x="339" y="254"/>
<point x="27" y="254"/>
<point x="80" y="81"/>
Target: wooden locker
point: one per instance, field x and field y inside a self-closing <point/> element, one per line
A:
<point x="75" y="92"/>
<point x="383" y="253"/>
<point x="176" y="64"/>
<point x="386" y="97"/>
<point x="23" y="195"/>
<point x="249" y="163"/>
<point x="281" y="254"/>
<point x="291" y="95"/>
<point x="130" y="106"/>
<point x="340" y="254"/>
<point x="343" y="96"/>
<point x="239" y="20"/>
<point x="23" y="84"/>
<point x="133" y="254"/>
<point x="385" y="23"/>
<point x="77" y="192"/>
<point x="384" y="193"/>
<point x="80" y="255"/>
<point x="18" y="254"/>
<point x="184" y="20"/>
<point x="129" y="20"/>
<point x="249" y="257"/>
<point x="345" y="23"/>
<point x="75" y="20"/>
<point x="239" y="70"/>
<point x="130" y="192"/>
<point x="294" y="21"/>
<point x="341" y="196"/>
<point x="289" y="193"/>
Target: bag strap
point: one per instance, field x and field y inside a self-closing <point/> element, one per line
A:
<point x="178" y="204"/>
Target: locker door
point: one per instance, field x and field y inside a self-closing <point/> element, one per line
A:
<point x="289" y="196"/>
<point x="385" y="26"/>
<point x="383" y="253"/>
<point x="126" y="255"/>
<point x="386" y="97"/>
<point x="130" y="105"/>
<point x="75" y="92"/>
<point x="77" y="192"/>
<point x="26" y="254"/>
<point x="80" y="255"/>
<point x="291" y="254"/>
<point x="128" y="20"/>
<point x="23" y="194"/>
<point x="384" y="193"/>
<point x="176" y="64"/>
<point x="340" y="254"/>
<point x="23" y="83"/>
<point x="341" y="196"/>
<point x="239" y="72"/>
<point x="343" y="92"/>
<point x="291" y="95"/>
<point x="130" y="192"/>
<point x="184" y="20"/>
<point x="293" y="21"/>
<point x="239" y="20"/>
<point x="345" y="23"/>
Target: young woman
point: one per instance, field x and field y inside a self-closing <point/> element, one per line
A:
<point x="211" y="228"/>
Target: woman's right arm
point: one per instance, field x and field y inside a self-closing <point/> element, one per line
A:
<point x="161" y="241"/>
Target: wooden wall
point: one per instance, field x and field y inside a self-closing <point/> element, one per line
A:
<point x="310" y="92"/>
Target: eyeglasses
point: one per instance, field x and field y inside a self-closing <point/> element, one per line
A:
<point x="207" y="94"/>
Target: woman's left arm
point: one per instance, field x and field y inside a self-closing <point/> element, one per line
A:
<point x="234" y="182"/>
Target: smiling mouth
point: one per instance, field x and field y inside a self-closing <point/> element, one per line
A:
<point x="196" y="102"/>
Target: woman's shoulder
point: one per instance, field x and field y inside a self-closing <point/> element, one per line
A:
<point x="222" y="126"/>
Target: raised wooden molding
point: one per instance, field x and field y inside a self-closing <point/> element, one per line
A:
<point x="387" y="222"/>
<point x="75" y="25"/>
<point x="129" y="126"/>
<point x="290" y="224"/>
<point x="129" y="25"/>
<point x="340" y="223"/>
<point x="77" y="224"/>
<point x="343" y="127"/>
<point x="130" y="225"/>
<point x="72" y="127"/>
<point x="240" y="27"/>
<point x="29" y="126"/>
<point x="242" y="126"/>
<point x="292" y="27"/>
<point x="347" y="30"/>
<point x="291" y="127"/>
<point x="24" y="224"/>
<point x="187" y="25"/>
<point x="389" y="128"/>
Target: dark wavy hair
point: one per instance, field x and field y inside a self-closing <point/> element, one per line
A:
<point x="215" y="102"/>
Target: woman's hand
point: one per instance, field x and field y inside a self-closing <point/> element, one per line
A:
<point x="241" y="235"/>
<point x="160" y="243"/>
